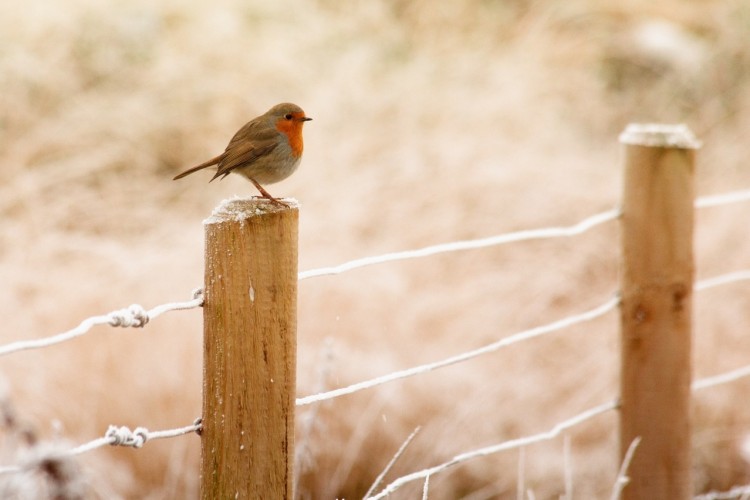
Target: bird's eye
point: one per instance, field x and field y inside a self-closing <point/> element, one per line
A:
<point x="288" y="116"/>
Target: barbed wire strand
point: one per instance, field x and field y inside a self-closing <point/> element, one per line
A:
<point x="134" y="316"/>
<point x="529" y="234"/>
<point x="504" y="342"/>
<point x="123" y="436"/>
<point x="115" y="436"/>
<point x="489" y="450"/>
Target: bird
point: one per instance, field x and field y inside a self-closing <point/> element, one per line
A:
<point x="265" y="150"/>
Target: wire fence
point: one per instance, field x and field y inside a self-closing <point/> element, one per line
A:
<point x="136" y="316"/>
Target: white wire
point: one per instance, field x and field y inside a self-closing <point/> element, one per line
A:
<point x="111" y="438"/>
<point x="518" y="337"/>
<point x="124" y="437"/>
<point x="504" y="342"/>
<point x="489" y="450"/>
<point x="133" y="316"/>
<point x="136" y="316"/>
<point x="722" y="279"/>
<point x="739" y="373"/>
<point x="700" y="384"/>
<point x="115" y="436"/>
<point x="736" y="493"/>
<point x="723" y="199"/>
<point x="531" y="234"/>
<point x="723" y="378"/>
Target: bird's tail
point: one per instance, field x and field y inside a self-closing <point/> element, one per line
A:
<point x="212" y="161"/>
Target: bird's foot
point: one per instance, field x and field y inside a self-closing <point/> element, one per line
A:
<point x="265" y="194"/>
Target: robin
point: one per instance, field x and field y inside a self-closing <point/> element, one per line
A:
<point x="267" y="149"/>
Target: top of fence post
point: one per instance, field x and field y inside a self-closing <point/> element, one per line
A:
<point x="658" y="135"/>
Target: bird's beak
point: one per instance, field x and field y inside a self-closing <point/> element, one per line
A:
<point x="305" y="119"/>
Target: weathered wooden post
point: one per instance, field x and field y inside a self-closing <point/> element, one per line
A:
<point x="656" y="323"/>
<point x="250" y="327"/>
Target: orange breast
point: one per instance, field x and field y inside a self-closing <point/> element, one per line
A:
<point x="293" y="130"/>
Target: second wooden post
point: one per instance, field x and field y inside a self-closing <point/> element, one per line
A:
<point x="247" y="442"/>
<point x="657" y="288"/>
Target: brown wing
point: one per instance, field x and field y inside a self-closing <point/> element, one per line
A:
<point x="242" y="151"/>
<point x="241" y="155"/>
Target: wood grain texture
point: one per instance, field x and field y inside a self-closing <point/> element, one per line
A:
<point x="249" y="351"/>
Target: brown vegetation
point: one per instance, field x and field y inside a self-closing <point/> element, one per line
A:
<point x="433" y="122"/>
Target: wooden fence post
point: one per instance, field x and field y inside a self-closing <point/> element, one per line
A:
<point x="249" y="369"/>
<point x="657" y="286"/>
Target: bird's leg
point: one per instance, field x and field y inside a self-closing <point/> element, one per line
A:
<point x="266" y="194"/>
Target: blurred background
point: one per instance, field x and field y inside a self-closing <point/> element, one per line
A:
<point x="433" y="121"/>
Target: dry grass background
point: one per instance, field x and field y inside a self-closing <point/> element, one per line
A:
<point x="433" y="122"/>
